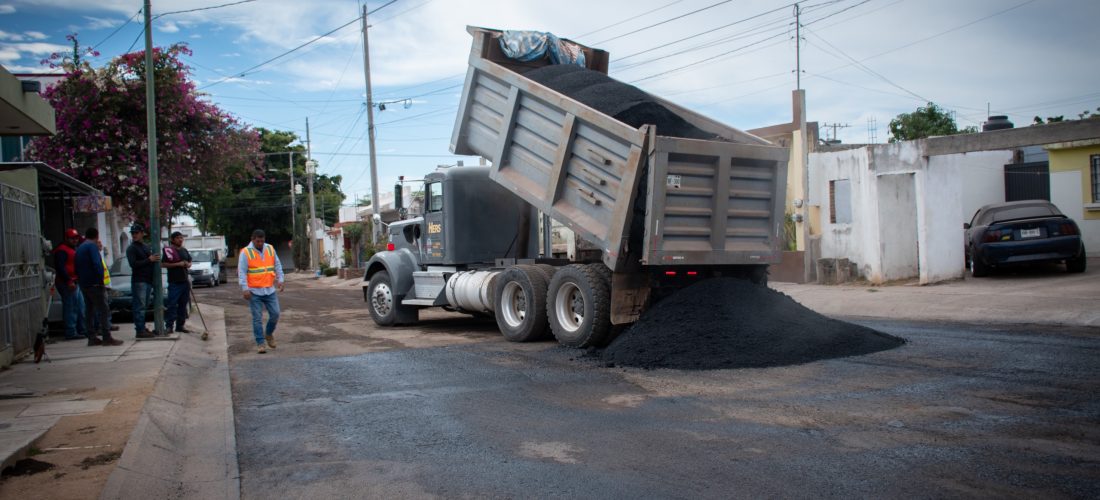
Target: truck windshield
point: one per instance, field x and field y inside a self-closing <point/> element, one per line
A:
<point x="202" y="255"/>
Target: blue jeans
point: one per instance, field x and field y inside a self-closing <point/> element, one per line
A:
<point x="72" y="310"/>
<point x="175" y="312"/>
<point x="257" y="304"/>
<point x="142" y="297"/>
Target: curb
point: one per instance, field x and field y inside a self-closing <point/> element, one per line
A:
<point x="184" y="444"/>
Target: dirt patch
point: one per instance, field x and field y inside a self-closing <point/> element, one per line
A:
<point x="625" y="103"/>
<point x="27" y="467"/>
<point x="101" y="459"/>
<point x="80" y="447"/>
<point x="731" y="323"/>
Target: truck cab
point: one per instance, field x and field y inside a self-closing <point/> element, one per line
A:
<point x="468" y="223"/>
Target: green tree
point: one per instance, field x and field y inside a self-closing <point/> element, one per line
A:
<point x="101" y="131"/>
<point x="263" y="201"/>
<point x="926" y="121"/>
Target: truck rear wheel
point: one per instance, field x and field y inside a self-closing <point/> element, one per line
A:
<point x="519" y="301"/>
<point x="579" y="307"/>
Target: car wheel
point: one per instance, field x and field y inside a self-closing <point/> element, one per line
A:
<point x="1078" y="263"/>
<point x="978" y="269"/>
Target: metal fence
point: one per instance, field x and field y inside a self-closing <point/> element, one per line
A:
<point x="21" y="272"/>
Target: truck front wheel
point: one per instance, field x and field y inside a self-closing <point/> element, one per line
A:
<point x="579" y="307"/>
<point x="380" y="299"/>
<point x="519" y="301"/>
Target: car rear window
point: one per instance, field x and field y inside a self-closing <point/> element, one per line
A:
<point x="1022" y="212"/>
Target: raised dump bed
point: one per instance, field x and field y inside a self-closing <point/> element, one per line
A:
<point x="683" y="201"/>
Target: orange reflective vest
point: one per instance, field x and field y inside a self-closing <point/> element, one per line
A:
<point x="261" y="266"/>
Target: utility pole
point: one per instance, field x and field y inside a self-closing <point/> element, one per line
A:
<point x="154" y="185"/>
<point x="311" y="169"/>
<point x="374" y="199"/>
<point x="798" y="46"/>
<point x="835" y="126"/>
<point x="293" y="213"/>
<point x="804" y="150"/>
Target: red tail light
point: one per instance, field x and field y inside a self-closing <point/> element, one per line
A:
<point x="991" y="236"/>
<point x="670" y="273"/>
<point x="390" y="246"/>
<point x="1068" y="229"/>
<point x="693" y="273"/>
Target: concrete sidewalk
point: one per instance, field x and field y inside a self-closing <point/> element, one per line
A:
<point x="183" y="443"/>
<point x="1045" y="296"/>
<point x="34" y="397"/>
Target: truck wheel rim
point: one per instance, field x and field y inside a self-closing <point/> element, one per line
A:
<point x="513" y="304"/>
<point x="382" y="299"/>
<point x="569" y="307"/>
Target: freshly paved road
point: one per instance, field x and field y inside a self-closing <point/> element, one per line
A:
<point x="449" y="409"/>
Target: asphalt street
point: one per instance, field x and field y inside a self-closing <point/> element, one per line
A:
<point x="449" y="409"/>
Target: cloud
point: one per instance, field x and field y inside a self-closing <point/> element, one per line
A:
<point x="7" y="9"/>
<point x="35" y="35"/>
<point x="100" y="23"/>
<point x="13" y="37"/>
<point x="232" y="54"/>
<point x="168" y="27"/>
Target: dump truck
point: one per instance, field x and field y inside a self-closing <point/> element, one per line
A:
<point x="664" y="212"/>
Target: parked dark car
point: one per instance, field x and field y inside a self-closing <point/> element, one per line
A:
<point x="121" y="297"/>
<point x="1022" y="232"/>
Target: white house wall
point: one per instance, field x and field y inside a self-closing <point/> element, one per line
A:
<point x="955" y="186"/>
<point x="1065" y="193"/>
<point x="855" y="241"/>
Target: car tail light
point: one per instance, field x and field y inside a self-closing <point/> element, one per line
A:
<point x="1067" y="229"/>
<point x="991" y="236"/>
<point x="390" y="246"/>
<point x="693" y="273"/>
<point x="670" y="273"/>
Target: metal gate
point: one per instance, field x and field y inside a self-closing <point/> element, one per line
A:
<point x="1027" y="181"/>
<point x="21" y="279"/>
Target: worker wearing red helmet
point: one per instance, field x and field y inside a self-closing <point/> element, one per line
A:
<point x="72" y="301"/>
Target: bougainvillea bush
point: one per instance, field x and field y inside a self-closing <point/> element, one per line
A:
<point x="101" y="133"/>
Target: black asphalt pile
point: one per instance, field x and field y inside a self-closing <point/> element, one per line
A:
<point x="625" y="103"/>
<point x="731" y="323"/>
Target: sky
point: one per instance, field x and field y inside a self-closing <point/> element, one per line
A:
<point x="863" y="61"/>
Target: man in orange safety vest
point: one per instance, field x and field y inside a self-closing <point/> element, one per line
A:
<point x="260" y="273"/>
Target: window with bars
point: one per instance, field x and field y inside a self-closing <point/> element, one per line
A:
<point x="1095" y="177"/>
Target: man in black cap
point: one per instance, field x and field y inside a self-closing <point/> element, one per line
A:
<point x="142" y="260"/>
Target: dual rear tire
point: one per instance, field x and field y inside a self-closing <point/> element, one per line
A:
<point x="572" y="302"/>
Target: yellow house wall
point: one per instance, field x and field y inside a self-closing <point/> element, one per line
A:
<point x="1077" y="160"/>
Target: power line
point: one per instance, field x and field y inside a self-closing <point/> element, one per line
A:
<point x="869" y="70"/>
<point x="284" y="54"/>
<point x="621" y="59"/>
<point x="202" y="8"/>
<point x="119" y="28"/>
<point x="643" y="14"/>
<point x="681" y="16"/>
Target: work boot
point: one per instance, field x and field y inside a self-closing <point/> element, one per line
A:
<point x="271" y="341"/>
<point x="94" y="341"/>
<point x="261" y="348"/>
<point x="108" y="341"/>
<point x="181" y="329"/>
<point x="145" y="334"/>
